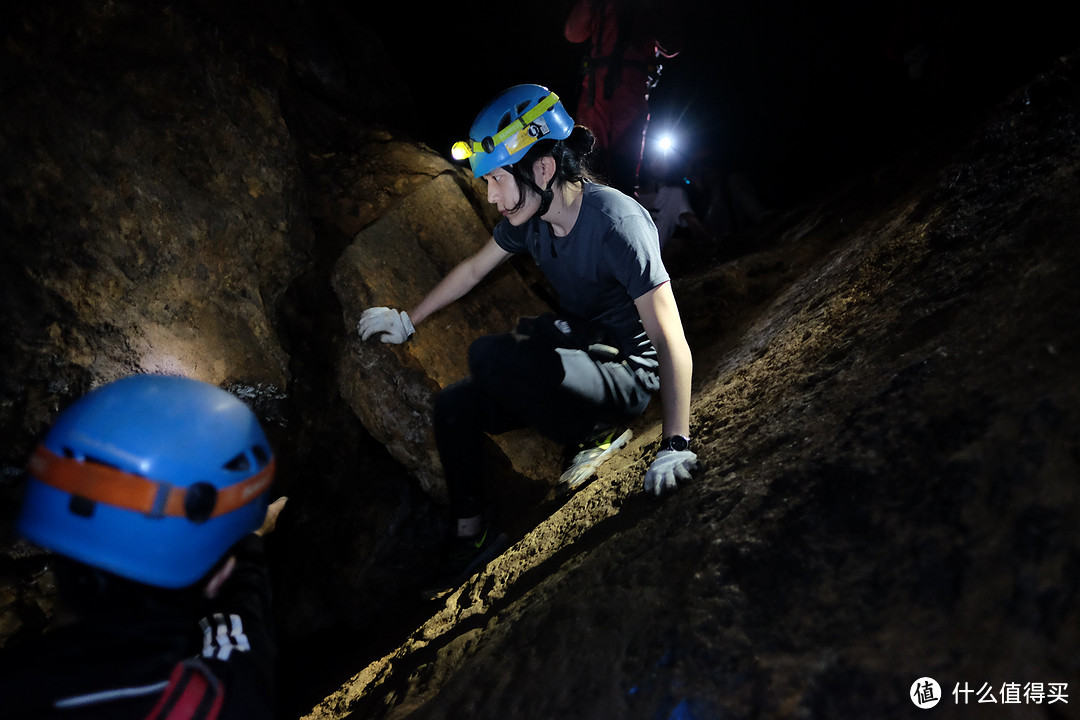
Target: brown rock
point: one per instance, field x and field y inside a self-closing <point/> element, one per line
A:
<point x="394" y="262"/>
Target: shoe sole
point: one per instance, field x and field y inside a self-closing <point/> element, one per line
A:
<point x="576" y="477"/>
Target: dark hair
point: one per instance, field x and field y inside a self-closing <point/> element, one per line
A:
<point x="571" y="162"/>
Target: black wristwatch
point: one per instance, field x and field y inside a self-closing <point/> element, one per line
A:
<point x="675" y="442"/>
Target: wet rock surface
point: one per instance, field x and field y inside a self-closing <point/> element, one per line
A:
<point x="886" y="393"/>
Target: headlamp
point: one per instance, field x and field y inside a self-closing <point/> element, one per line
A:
<point x="461" y="151"/>
<point x="522" y="128"/>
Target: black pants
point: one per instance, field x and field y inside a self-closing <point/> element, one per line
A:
<point x="519" y="381"/>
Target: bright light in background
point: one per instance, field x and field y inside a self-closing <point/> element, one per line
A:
<point x="665" y="143"/>
<point x="670" y="135"/>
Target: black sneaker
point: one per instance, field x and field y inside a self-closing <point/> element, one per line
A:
<point x="591" y="455"/>
<point x="465" y="558"/>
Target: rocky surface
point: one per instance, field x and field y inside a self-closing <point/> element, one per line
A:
<point x="886" y="388"/>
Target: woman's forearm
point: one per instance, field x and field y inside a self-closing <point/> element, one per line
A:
<point x="459" y="281"/>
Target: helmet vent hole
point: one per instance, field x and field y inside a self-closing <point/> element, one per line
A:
<point x="83" y="507"/>
<point x="262" y="456"/>
<point x="240" y="463"/>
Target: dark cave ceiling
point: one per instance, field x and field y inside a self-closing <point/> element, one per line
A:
<point x="793" y="87"/>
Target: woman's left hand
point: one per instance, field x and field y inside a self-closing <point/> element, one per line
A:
<point x="669" y="467"/>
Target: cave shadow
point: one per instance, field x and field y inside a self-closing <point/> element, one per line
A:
<point x="403" y="674"/>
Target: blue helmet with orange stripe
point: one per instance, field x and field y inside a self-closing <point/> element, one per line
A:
<point x="151" y="477"/>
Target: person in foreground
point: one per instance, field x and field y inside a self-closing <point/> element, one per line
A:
<point x="151" y="491"/>
<point x="579" y="376"/>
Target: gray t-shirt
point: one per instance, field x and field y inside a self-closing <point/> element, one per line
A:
<point x="610" y="258"/>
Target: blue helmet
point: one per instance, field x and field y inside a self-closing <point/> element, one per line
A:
<point x="508" y="126"/>
<point x="152" y="478"/>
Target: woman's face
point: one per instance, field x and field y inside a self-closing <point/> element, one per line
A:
<point x="504" y="193"/>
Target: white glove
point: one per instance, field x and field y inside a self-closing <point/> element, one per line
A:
<point x="396" y="327"/>
<point x="668" y="468"/>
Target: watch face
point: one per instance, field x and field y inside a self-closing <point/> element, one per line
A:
<point x="678" y="442"/>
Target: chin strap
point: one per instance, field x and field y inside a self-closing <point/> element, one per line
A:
<point x="545" y="198"/>
<point x="547" y="194"/>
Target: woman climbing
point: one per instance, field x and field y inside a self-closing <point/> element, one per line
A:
<point x="579" y="376"/>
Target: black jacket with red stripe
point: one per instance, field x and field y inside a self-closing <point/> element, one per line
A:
<point x="169" y="665"/>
